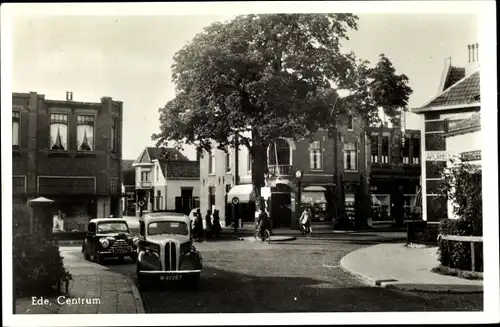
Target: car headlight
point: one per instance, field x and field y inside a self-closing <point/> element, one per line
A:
<point x="104" y="242"/>
<point x="135" y="240"/>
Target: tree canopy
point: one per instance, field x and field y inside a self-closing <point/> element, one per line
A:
<point x="256" y="78"/>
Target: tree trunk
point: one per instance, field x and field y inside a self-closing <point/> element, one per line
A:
<point x="259" y="165"/>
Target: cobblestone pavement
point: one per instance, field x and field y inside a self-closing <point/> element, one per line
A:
<point x="299" y="276"/>
<point x="93" y="289"/>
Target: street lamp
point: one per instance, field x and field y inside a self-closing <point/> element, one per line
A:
<point x="298" y="202"/>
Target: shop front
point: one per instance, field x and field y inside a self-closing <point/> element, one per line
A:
<point x="314" y="197"/>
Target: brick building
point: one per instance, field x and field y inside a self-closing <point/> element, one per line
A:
<point x="452" y="127"/>
<point x="70" y="152"/>
<point x="325" y="163"/>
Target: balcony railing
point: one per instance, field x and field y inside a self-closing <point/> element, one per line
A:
<point x="281" y="170"/>
<point x="144" y="184"/>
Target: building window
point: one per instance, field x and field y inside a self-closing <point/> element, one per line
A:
<point x="350" y="122"/>
<point x="350" y="156"/>
<point x="211" y="163"/>
<point x="114" y="135"/>
<point x="157" y="173"/>
<point x="406" y="151"/>
<point x="211" y="197"/>
<point x="416" y="151"/>
<point x="228" y="188"/>
<point x="381" y="207"/>
<point x="384" y="158"/>
<point x="114" y="185"/>
<point x="15" y="129"/>
<point x="59" y="132"/>
<point x="145" y="176"/>
<point x="279" y="153"/>
<point x="228" y="161"/>
<point x="315" y="155"/>
<point x="374" y="148"/>
<point x="85" y="133"/>
<point x="130" y="196"/>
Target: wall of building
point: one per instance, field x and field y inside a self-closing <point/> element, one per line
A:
<point x="67" y="175"/>
<point x="435" y="156"/>
<point x="173" y="190"/>
<point x="219" y="179"/>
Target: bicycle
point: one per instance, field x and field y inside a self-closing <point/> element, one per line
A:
<point x="267" y="235"/>
<point x="305" y="231"/>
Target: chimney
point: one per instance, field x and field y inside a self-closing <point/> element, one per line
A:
<point x="473" y="64"/>
<point x="69" y="96"/>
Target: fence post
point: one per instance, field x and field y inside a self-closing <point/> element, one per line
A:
<point x="473" y="257"/>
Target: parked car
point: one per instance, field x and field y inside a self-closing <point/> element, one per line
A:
<point x="107" y="238"/>
<point x="166" y="251"/>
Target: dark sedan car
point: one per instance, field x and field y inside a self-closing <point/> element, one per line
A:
<point x="109" y="238"/>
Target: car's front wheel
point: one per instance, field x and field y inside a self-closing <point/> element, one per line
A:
<point x="86" y="255"/>
<point x="141" y="279"/>
<point x="99" y="258"/>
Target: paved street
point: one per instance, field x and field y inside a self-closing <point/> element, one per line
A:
<point x="298" y="276"/>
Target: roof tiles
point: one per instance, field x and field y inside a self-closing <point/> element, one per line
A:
<point x="465" y="91"/>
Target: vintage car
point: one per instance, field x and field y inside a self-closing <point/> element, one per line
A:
<point x="166" y="251"/>
<point x="109" y="237"/>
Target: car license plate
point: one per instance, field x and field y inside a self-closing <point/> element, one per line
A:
<point x="119" y="251"/>
<point x="170" y="277"/>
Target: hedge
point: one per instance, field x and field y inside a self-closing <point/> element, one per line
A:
<point x="37" y="264"/>
<point x="454" y="254"/>
<point x="420" y="232"/>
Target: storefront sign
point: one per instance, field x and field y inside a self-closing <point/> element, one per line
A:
<point x="473" y="121"/>
<point x="437" y="156"/>
<point x="471" y="155"/>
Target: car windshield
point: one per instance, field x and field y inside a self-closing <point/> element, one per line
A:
<point x="112" y="227"/>
<point x="167" y="227"/>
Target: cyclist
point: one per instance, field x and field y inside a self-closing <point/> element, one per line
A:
<point x="305" y="220"/>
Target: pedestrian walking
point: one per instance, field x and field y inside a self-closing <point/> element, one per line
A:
<point x="216" y="224"/>
<point x="198" y="226"/>
<point x="208" y="224"/>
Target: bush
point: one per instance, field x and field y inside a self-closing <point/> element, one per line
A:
<point x="37" y="263"/>
<point x="419" y="232"/>
<point x="455" y="254"/>
<point x="461" y="184"/>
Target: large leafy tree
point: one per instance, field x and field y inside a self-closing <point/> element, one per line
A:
<point x="255" y="78"/>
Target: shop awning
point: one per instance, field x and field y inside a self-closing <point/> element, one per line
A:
<point x="315" y="189"/>
<point x="244" y="193"/>
<point x="312" y="197"/>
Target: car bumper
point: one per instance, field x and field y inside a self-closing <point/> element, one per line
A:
<point x="118" y="254"/>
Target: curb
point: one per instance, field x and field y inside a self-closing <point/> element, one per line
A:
<point x="137" y="296"/>
<point x="394" y="284"/>
<point x="459" y="289"/>
<point x="273" y="239"/>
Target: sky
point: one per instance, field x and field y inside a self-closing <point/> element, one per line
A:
<point x="129" y="57"/>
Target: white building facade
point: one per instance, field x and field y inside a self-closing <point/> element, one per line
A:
<point x="451" y="129"/>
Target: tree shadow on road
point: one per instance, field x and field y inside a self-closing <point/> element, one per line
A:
<point x="223" y="291"/>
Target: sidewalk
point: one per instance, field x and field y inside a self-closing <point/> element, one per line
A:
<point x="93" y="289"/>
<point x="408" y="269"/>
